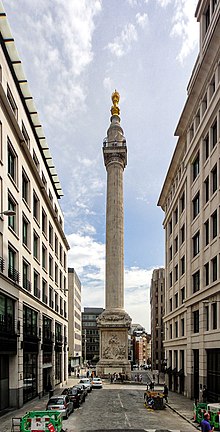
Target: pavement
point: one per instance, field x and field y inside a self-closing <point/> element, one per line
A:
<point x="176" y="402"/>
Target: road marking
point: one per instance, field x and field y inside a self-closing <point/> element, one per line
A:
<point x="127" y="423"/>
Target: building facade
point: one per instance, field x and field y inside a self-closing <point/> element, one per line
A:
<point x="90" y="335"/>
<point x="74" y="324"/>
<point x="33" y="247"/>
<point x="157" y="302"/>
<point x="190" y="199"/>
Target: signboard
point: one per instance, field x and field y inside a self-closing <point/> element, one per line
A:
<point x="38" y="424"/>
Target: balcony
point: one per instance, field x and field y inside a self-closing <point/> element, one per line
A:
<point x="13" y="274"/>
<point x="2" y="264"/>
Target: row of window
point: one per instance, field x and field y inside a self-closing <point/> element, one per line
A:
<point x="178" y="300"/>
<point x="211" y="318"/>
<point x="178" y="329"/>
<point x="207" y="15"/>
<point x="26" y="225"/>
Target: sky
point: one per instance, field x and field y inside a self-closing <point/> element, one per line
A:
<point x="75" y="53"/>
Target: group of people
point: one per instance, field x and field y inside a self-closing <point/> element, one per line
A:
<point x="138" y="378"/>
<point x="118" y="377"/>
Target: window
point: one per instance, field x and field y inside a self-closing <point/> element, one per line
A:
<point x="36" y="284"/>
<point x="214" y="134"/>
<point x="29" y="322"/>
<point x="196" y="321"/>
<point x="206" y="189"/>
<point x="214" y="269"/>
<point x="25" y="225"/>
<point x="214" y="224"/>
<point x="182" y="234"/>
<point x="12" y="162"/>
<point x="196" y="281"/>
<point x="183" y="265"/>
<point x="25" y="187"/>
<point x="50" y="266"/>
<point x="171" y="279"/>
<point x="182" y="202"/>
<point x="206" y="228"/>
<point x="212" y="87"/>
<point x="183" y="294"/>
<point x="204" y="104"/>
<point x="61" y="280"/>
<point x="176" y="272"/>
<point x="214" y="316"/>
<point x="56" y="273"/>
<point x="44" y="180"/>
<point x="11" y="219"/>
<point x="25" y="135"/>
<point x="50" y="235"/>
<point x="171" y="305"/>
<point x="36" y="246"/>
<point x="26" y="282"/>
<point x="36" y="206"/>
<point x="36" y="161"/>
<point x="176" y="216"/>
<point x="207" y="317"/>
<point x="64" y="260"/>
<point x="12" y="261"/>
<point x="176" y="329"/>
<point x="182" y="327"/>
<point x="206" y="267"/>
<point x="44" y="222"/>
<point x="171" y="331"/>
<point x="196" y="244"/>
<point x="50" y="196"/>
<point x="176" y="244"/>
<point x="12" y="102"/>
<point x="196" y="205"/>
<point x="176" y="300"/>
<point x="206" y="147"/>
<point x="51" y="297"/>
<point x="56" y="245"/>
<point x="44" y="291"/>
<point x="207" y="18"/>
<point x="170" y="253"/>
<point x="56" y="303"/>
<point x="170" y="227"/>
<point x="61" y="254"/>
<point x="44" y="257"/>
<point x="195" y="167"/>
<point x="214" y="179"/>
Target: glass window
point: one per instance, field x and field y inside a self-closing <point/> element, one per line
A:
<point x="25" y="231"/>
<point x="183" y="265"/>
<point x="206" y="273"/>
<point x="196" y="281"/>
<point x="195" y="167"/>
<point x="214" y="224"/>
<point x="214" y="133"/>
<point x="206" y="227"/>
<point x="214" y="269"/>
<point x="36" y="206"/>
<point x="214" y="316"/>
<point x="196" y="321"/>
<point x="206" y="147"/>
<point x="11" y="219"/>
<point x="206" y="189"/>
<point x="196" y="205"/>
<point x="36" y="245"/>
<point x="25" y="187"/>
<point x="214" y="179"/>
<point x="11" y="162"/>
<point x="196" y="244"/>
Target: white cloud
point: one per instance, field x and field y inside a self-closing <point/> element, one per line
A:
<point x="142" y="20"/>
<point x="122" y="44"/>
<point x="184" y="25"/>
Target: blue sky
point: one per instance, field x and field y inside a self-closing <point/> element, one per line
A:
<point x="75" y="53"/>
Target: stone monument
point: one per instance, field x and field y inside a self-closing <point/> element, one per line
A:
<point x="114" y="322"/>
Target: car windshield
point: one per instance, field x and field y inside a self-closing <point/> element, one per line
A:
<point x="56" y="401"/>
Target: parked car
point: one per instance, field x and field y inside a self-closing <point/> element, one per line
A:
<point x="76" y="395"/>
<point x="87" y="383"/>
<point x="96" y="382"/>
<point x="83" y="389"/>
<point x="61" y="403"/>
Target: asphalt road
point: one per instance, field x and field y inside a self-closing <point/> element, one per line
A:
<point x="122" y="407"/>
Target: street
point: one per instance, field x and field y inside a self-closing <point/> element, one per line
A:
<point x="122" y="407"/>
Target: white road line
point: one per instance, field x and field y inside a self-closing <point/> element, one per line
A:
<point x="127" y="423"/>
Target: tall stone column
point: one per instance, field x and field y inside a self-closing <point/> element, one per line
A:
<point x="114" y="322"/>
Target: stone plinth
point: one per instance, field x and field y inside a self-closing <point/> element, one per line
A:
<point x="113" y="326"/>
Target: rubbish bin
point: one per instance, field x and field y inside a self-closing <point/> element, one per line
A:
<point x="51" y="392"/>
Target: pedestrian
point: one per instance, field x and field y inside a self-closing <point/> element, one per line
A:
<point x="135" y="378"/>
<point x="204" y="394"/>
<point x="205" y="425"/>
<point x="140" y="378"/>
<point x="165" y="392"/>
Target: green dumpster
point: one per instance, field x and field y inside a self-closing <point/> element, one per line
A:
<point x="39" y="420"/>
<point x="199" y="409"/>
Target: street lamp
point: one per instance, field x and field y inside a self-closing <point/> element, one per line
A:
<point x="7" y="213"/>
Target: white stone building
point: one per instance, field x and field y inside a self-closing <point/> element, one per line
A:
<point x="33" y="247"/>
<point x="190" y="198"/>
<point x="74" y="323"/>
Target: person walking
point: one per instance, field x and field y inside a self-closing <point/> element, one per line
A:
<point x="205" y="425"/>
<point x="205" y="394"/>
<point x="165" y="392"/>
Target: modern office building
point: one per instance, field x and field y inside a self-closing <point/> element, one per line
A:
<point x="74" y="323"/>
<point x="33" y="247"/>
<point x="157" y="302"/>
<point x="90" y="335"/>
<point x="190" y="199"/>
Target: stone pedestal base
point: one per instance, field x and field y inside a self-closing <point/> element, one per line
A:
<point x="113" y="326"/>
